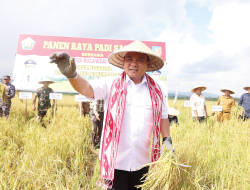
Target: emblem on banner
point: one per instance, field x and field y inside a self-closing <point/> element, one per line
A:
<point x="157" y="49"/>
<point x="28" y="44"/>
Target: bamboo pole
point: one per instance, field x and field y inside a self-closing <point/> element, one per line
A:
<point x="54" y="109"/>
<point x="80" y="108"/>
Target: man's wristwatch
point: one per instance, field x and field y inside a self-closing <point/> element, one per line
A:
<point x="168" y="139"/>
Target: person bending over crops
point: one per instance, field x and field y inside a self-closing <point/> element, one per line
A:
<point x="5" y="99"/>
<point x="172" y="116"/>
<point x="245" y="103"/>
<point x="199" y="109"/>
<point x="135" y="108"/>
<point x="43" y="98"/>
<point x="227" y="102"/>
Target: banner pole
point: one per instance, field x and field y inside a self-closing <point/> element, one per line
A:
<point x="55" y="110"/>
<point x="216" y="117"/>
<point x="80" y="109"/>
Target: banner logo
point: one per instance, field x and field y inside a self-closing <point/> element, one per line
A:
<point x="157" y="49"/>
<point x="28" y="44"/>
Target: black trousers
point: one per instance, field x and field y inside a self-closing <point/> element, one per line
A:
<point x="126" y="180"/>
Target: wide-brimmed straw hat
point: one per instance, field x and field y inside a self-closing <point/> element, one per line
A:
<point x="45" y="80"/>
<point x="229" y="89"/>
<point x="173" y="111"/>
<point x="199" y="86"/>
<point x="246" y="88"/>
<point x="116" y="58"/>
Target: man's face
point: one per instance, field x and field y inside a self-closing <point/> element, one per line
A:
<point x="227" y="92"/>
<point x="135" y="65"/>
<point x="6" y="81"/>
<point x="248" y="89"/>
<point x="198" y="91"/>
<point x="46" y="84"/>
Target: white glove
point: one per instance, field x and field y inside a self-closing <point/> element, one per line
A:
<point x="167" y="144"/>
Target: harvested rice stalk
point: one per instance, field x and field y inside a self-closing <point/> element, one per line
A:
<point x="160" y="173"/>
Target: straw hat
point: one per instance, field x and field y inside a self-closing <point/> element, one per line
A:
<point x="45" y="80"/>
<point x="199" y="86"/>
<point x="246" y="88"/>
<point x="173" y="111"/>
<point x="116" y="58"/>
<point x="229" y="89"/>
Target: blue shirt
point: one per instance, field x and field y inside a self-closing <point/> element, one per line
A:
<point x="245" y="103"/>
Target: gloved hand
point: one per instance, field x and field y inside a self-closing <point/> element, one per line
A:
<point x="65" y="63"/>
<point x="167" y="144"/>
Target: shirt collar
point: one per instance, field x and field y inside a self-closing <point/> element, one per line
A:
<point x="144" y="79"/>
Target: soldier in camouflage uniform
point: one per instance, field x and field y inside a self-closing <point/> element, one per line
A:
<point x="5" y="102"/>
<point x="43" y="98"/>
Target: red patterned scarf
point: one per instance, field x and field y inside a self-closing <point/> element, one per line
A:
<point x="113" y="124"/>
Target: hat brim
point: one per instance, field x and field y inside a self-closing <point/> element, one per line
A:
<point x="230" y="91"/>
<point x="202" y="88"/>
<point x="173" y="112"/>
<point x="246" y="88"/>
<point x="41" y="82"/>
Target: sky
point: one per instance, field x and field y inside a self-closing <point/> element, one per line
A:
<point x="207" y="41"/>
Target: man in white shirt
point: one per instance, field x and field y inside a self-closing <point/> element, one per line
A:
<point x="134" y="109"/>
<point x="199" y="109"/>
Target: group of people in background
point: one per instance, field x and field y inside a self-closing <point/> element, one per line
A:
<point x="199" y="110"/>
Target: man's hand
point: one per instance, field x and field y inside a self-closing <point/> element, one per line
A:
<point x="34" y="107"/>
<point x="65" y="64"/>
<point x="167" y="144"/>
<point x="213" y="113"/>
<point x="97" y="116"/>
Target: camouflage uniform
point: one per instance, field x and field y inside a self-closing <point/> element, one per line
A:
<point x="5" y="106"/>
<point x="43" y="100"/>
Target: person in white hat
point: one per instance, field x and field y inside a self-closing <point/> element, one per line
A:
<point x="134" y="107"/>
<point x="227" y="102"/>
<point x="245" y="103"/>
<point x="199" y="109"/>
<point x="43" y="98"/>
<point x="172" y="115"/>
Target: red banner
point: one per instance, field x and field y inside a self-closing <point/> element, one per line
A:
<point x="77" y="47"/>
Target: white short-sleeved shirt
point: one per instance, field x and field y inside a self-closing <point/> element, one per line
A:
<point x="137" y="125"/>
<point x="198" y="103"/>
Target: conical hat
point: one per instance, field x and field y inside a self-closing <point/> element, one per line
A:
<point x="116" y="58"/>
<point x="199" y="86"/>
<point x="45" y="80"/>
<point x="229" y="89"/>
<point x="173" y="111"/>
<point x="246" y="88"/>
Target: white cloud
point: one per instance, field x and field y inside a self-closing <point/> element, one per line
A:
<point x="230" y="26"/>
<point x="225" y="62"/>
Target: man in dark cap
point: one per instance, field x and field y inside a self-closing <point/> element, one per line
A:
<point x="9" y="94"/>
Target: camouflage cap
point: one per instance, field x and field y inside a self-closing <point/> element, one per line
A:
<point x="6" y="77"/>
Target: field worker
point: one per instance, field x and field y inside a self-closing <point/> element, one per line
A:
<point x="245" y="103"/>
<point x="9" y="94"/>
<point x="172" y="115"/>
<point x="199" y="109"/>
<point x="96" y="116"/>
<point x="227" y="102"/>
<point x="85" y="108"/>
<point x="134" y="109"/>
<point x="43" y="98"/>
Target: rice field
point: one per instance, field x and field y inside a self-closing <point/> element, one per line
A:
<point x="61" y="157"/>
